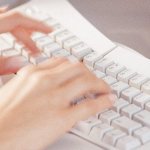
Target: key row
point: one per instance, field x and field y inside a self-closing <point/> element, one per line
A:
<point x="80" y="50"/>
<point x="121" y="73"/>
<point x="125" y="80"/>
<point x="99" y="131"/>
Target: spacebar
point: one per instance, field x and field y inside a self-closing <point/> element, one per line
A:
<point x="145" y="147"/>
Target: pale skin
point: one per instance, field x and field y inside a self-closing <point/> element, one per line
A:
<point x="35" y="106"/>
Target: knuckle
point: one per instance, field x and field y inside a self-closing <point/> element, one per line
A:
<point x="94" y="107"/>
<point x="43" y="78"/>
<point x="37" y="75"/>
<point x="88" y="109"/>
<point x="62" y="59"/>
<point x="28" y="70"/>
<point x="48" y="77"/>
<point x="80" y="67"/>
<point x="16" y="14"/>
<point x="90" y="77"/>
<point x="104" y="84"/>
<point x="85" y="109"/>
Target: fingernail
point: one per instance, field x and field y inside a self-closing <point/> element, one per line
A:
<point x="112" y="98"/>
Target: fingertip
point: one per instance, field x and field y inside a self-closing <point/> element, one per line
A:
<point x="48" y="29"/>
<point x="44" y="28"/>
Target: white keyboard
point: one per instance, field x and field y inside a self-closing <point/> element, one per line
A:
<point x="124" y="127"/>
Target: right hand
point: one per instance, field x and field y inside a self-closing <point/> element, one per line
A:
<point x="35" y="105"/>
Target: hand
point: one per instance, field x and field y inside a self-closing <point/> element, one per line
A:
<point x="40" y="111"/>
<point x="21" y="27"/>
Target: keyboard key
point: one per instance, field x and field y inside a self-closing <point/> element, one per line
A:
<point x="37" y="35"/>
<point x="26" y="53"/>
<point x="68" y="44"/>
<point x="130" y="110"/>
<point x="147" y="106"/>
<point x="112" y="136"/>
<point x="146" y="87"/>
<point x="38" y="58"/>
<point x="51" y="22"/>
<point x="143" y="134"/>
<point x="81" y="50"/>
<point x="141" y="100"/>
<point x="91" y="59"/>
<point x="128" y="143"/>
<point x="37" y="15"/>
<point x="41" y="42"/>
<point x="98" y="131"/>
<point x="146" y="146"/>
<point x="143" y="117"/>
<point x="99" y="74"/>
<point x="102" y="64"/>
<point x="86" y="126"/>
<point x="50" y="48"/>
<point x="137" y="81"/>
<point x="4" y="45"/>
<point x="120" y="103"/>
<point x="11" y="53"/>
<point x="72" y="59"/>
<point x="108" y="116"/>
<point x="61" y="53"/>
<point x="89" y="68"/>
<point x="9" y="38"/>
<point x="125" y="124"/>
<point x="118" y="87"/>
<point x="125" y="75"/>
<point x="54" y="33"/>
<point x="19" y="46"/>
<point x="57" y="27"/>
<point x="114" y="69"/>
<point x="65" y="35"/>
<point x="110" y="80"/>
<point x="130" y="93"/>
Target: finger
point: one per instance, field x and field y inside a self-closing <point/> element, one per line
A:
<point x="51" y="63"/>
<point x="81" y="86"/>
<point x="10" y="65"/>
<point x="23" y="36"/>
<point x="91" y="107"/>
<point x="64" y="72"/>
<point x="33" y="24"/>
<point x="78" y="78"/>
<point x="10" y="21"/>
<point x="87" y="79"/>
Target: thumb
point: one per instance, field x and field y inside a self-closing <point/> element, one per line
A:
<point x="10" y="65"/>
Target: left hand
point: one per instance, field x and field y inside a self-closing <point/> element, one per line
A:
<point x="21" y="27"/>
